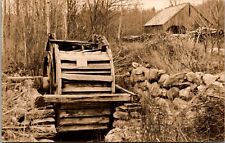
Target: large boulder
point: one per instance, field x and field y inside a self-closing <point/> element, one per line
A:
<point x="221" y="77"/>
<point x="154" y="89"/>
<point x="174" y="79"/>
<point x="201" y="88"/>
<point x="154" y="74"/>
<point x="218" y="84"/>
<point x="193" y="77"/>
<point x="121" y="115"/>
<point x="215" y="89"/>
<point x="140" y="92"/>
<point x="172" y="93"/>
<point x="180" y="104"/>
<point x="137" y="75"/>
<point x="115" y="135"/>
<point x="163" y="78"/>
<point x="209" y="79"/>
<point x="186" y="94"/>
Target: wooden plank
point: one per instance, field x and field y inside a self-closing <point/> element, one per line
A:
<point x="108" y="98"/>
<point x="81" y="127"/>
<point x="84" y="112"/>
<point x="70" y="41"/>
<point x="86" y="72"/>
<point x="89" y="67"/>
<point x="112" y="70"/>
<point x="84" y="121"/>
<point x="43" y="121"/>
<point x="58" y="71"/>
<point x="124" y="90"/>
<point x="71" y="88"/>
<point x="90" y="57"/>
<point x="81" y="77"/>
<point x="84" y="52"/>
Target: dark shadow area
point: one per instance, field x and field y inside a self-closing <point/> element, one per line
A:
<point x="81" y="136"/>
<point x="175" y="29"/>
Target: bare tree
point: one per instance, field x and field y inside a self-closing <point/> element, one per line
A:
<point x="101" y="14"/>
<point x="17" y="35"/>
<point x="174" y="2"/>
<point x="72" y="19"/>
<point x="217" y="17"/>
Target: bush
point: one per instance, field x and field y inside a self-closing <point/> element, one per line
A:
<point x="170" y="54"/>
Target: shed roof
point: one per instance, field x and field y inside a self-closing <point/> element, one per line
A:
<point x="166" y="14"/>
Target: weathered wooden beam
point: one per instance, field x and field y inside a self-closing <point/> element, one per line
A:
<point x="84" y="113"/>
<point x="64" y="71"/>
<point x="81" y="127"/>
<point x="82" y="98"/>
<point x="134" y="96"/>
<point x="71" y="88"/>
<point x="69" y="66"/>
<point x="89" y="57"/>
<point x="84" y="121"/>
<point x="70" y="41"/>
<point x="124" y="90"/>
<point x="81" y="77"/>
<point x="44" y="121"/>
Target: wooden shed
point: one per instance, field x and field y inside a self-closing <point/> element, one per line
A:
<point x="176" y="19"/>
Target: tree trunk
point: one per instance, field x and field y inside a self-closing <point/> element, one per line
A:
<point x="120" y="23"/>
<point x="17" y="34"/>
<point x="47" y="16"/>
<point x="65" y="19"/>
<point x="4" y="37"/>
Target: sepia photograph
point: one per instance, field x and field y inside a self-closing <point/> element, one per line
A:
<point x="113" y="71"/>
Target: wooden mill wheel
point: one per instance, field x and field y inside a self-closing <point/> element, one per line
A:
<point x="83" y="73"/>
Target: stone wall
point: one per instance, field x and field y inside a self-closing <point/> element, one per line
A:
<point x="177" y="88"/>
<point x="175" y="107"/>
<point x="127" y="124"/>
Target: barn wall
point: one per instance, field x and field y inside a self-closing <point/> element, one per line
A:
<point x="154" y="29"/>
<point x="183" y="18"/>
<point x="190" y="21"/>
<point x="196" y="16"/>
<point x="188" y="17"/>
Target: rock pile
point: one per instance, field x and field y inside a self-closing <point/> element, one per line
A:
<point x="180" y="87"/>
<point x="185" y="96"/>
<point x="127" y="123"/>
<point x="172" y="107"/>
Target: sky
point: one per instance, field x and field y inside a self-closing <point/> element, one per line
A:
<point x="160" y="4"/>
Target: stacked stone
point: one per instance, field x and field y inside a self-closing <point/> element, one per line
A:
<point x="126" y="124"/>
<point x="180" y="87"/>
<point x="176" y="92"/>
<point x="43" y="123"/>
